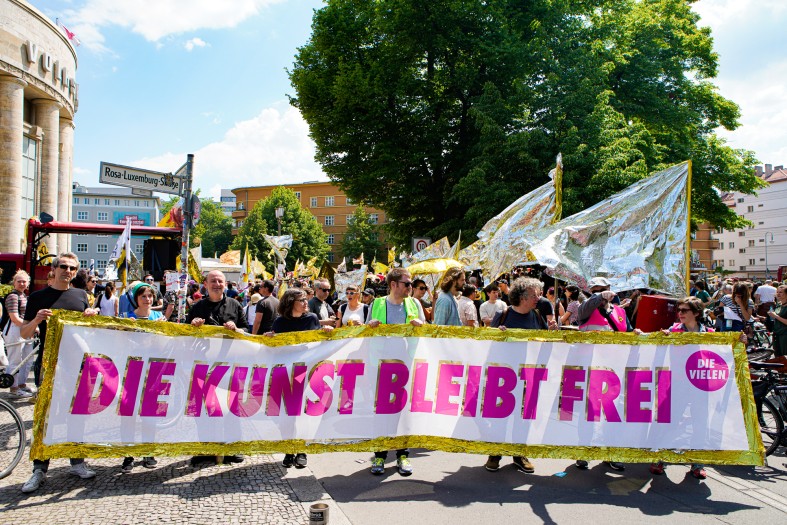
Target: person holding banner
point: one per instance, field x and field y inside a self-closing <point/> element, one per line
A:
<point x="58" y="295"/>
<point x="294" y="316"/>
<point x="397" y="308"/>
<point x="353" y="312"/>
<point x="523" y="313"/>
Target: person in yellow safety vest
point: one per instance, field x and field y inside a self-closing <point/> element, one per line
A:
<point x="395" y="308"/>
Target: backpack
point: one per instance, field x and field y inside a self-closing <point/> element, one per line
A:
<point x="5" y="320"/>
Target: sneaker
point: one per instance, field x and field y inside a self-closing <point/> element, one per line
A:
<point x="657" y="468"/>
<point x="289" y="460"/>
<point x="698" y="472"/>
<point x="20" y="394"/>
<point x="616" y="465"/>
<point x="378" y="466"/>
<point x="82" y="470"/>
<point x="492" y="464"/>
<point x="127" y="466"/>
<point x="27" y="389"/>
<point x="404" y="466"/>
<point x="523" y="464"/>
<point x="582" y="464"/>
<point x="300" y="460"/>
<point x="36" y="480"/>
<point x="149" y="462"/>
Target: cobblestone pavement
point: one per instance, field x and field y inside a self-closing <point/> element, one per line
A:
<point x="255" y="491"/>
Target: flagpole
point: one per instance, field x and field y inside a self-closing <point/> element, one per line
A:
<point x="688" y="231"/>
<point x="184" y="248"/>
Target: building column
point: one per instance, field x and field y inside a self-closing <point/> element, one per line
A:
<point x="48" y="119"/>
<point x="65" y="170"/>
<point x="12" y="99"/>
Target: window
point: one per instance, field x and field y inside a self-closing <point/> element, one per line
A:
<point x="76" y="200"/>
<point x="762" y="259"/>
<point x="102" y="248"/>
<point x="741" y="234"/>
<point x="349" y="201"/>
<point x="752" y="261"/>
<point x="313" y="202"/>
<point x="86" y="201"/>
<point x="117" y="202"/>
<point x="743" y="268"/>
<point x="721" y="246"/>
<point x="298" y="195"/>
<point x="83" y="265"/>
<point x="106" y="202"/>
<point x="136" y="203"/>
<point x="329" y="201"/>
<point x="329" y="220"/>
<point x="732" y="245"/>
<point x="762" y="240"/>
<point x="751" y="242"/>
<point x="374" y="236"/>
<point x="740" y="200"/>
<point x="81" y="247"/>
<point x="97" y="202"/>
<point x="29" y="171"/>
<point x="760" y="223"/>
<point x="732" y="263"/>
<point x="741" y="250"/>
<point x="749" y="209"/>
<point x="330" y="256"/>
<point x="101" y="264"/>
<point x="83" y="215"/>
<point x="147" y="204"/>
<point x="330" y="238"/>
<point x="102" y="216"/>
<point x="139" y="248"/>
<point x="374" y="217"/>
<point x="240" y="223"/>
<point x="350" y="219"/>
<point x="760" y="205"/>
<point x="240" y="205"/>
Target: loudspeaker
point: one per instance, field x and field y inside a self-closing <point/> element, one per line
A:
<point x="160" y="255"/>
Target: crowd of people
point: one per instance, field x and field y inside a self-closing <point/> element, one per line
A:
<point x="519" y="300"/>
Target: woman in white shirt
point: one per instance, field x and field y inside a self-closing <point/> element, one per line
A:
<point x="107" y="303"/>
<point x="353" y="313"/>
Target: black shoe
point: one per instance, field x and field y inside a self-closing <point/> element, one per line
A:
<point x="149" y="462"/>
<point x="234" y="458"/>
<point x="582" y="464"/>
<point x="616" y="465"/>
<point x="300" y="460"/>
<point x="289" y="460"/>
<point x="128" y="465"/>
<point x="203" y="461"/>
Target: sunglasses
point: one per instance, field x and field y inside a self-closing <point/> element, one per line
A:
<point x="68" y="267"/>
<point x="684" y="310"/>
<point x="304" y="300"/>
<point x="351" y="293"/>
<point x="407" y="284"/>
<point x="421" y="288"/>
<point x="324" y="289"/>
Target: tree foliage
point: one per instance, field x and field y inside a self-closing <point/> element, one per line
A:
<point x="362" y="237"/>
<point x="308" y="238"/>
<point x="213" y="231"/>
<point x="442" y="112"/>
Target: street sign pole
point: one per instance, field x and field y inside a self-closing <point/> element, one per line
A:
<point x="184" y="250"/>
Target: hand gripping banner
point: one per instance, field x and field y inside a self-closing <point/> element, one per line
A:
<point x="118" y="387"/>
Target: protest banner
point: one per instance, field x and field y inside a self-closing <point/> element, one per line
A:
<point x="117" y="387"/>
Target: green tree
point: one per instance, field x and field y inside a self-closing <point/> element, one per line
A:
<point x="442" y="112"/>
<point x="308" y="238"/>
<point x="362" y="237"/>
<point x="213" y="231"/>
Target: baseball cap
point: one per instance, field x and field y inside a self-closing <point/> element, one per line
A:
<point x="369" y="291"/>
<point x="598" y="282"/>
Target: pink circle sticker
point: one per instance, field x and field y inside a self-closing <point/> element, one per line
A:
<point x="707" y="370"/>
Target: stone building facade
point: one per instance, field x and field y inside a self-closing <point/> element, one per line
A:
<point x="38" y="101"/>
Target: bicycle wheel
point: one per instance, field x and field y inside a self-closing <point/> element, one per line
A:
<point x="771" y="426"/>
<point x="12" y="438"/>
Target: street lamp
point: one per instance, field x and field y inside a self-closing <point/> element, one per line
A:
<point x="767" y="273"/>
<point x="280" y="214"/>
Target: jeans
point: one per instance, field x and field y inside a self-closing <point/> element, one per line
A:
<point x="384" y="454"/>
<point x="44" y="465"/>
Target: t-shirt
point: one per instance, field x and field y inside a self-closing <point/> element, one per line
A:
<point x="268" y="307"/>
<point x="307" y="321"/>
<point x="106" y="306"/>
<point x="352" y="317"/>
<point x="703" y="296"/>
<point x="73" y="299"/>
<point x="727" y="302"/>
<point x="15" y="303"/>
<point x="573" y="309"/>
<point x="232" y="294"/>
<point x="155" y="315"/>
<point x="467" y="311"/>
<point x="489" y="309"/>
<point x="780" y="328"/>
<point x="321" y="309"/>
<point x="544" y="307"/>
<point x="766" y="294"/>
<point x="513" y="319"/>
<point x="216" y="314"/>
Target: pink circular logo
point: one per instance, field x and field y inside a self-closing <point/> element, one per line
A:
<point x="707" y="370"/>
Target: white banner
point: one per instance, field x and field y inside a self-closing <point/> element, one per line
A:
<point x="117" y="387"/>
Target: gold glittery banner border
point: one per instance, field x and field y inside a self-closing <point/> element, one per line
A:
<point x="754" y="456"/>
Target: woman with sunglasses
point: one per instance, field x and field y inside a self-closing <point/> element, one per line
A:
<point x="353" y="312"/>
<point x="294" y="316"/>
<point x="738" y="309"/>
<point x="690" y="310"/>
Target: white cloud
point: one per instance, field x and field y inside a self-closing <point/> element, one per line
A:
<point x="271" y="148"/>
<point x="720" y="13"/>
<point x="156" y="19"/>
<point x="195" y="42"/>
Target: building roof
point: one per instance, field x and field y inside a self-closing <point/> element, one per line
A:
<point x="289" y="185"/>
<point x="776" y="176"/>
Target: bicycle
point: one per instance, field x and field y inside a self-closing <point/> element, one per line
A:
<point x="770" y="397"/>
<point x="13" y="437"/>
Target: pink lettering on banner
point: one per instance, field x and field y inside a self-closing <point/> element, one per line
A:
<point x="203" y="389"/>
<point x="472" y="388"/>
<point x="532" y="376"/>
<point x="570" y="392"/>
<point x="448" y="388"/>
<point x="663" y="395"/>
<point x="93" y="367"/>
<point x="156" y="386"/>
<point x="418" y="402"/>
<point x="321" y="388"/>
<point x="499" y="400"/>
<point x="392" y="377"/>
<point x="128" y="395"/>
<point x="707" y="370"/>
<point x="282" y="388"/>
<point x="349" y="372"/>
<point x="249" y="404"/>
<point x="636" y="395"/>
<point x="603" y="389"/>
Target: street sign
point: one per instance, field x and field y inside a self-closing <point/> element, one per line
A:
<point x="128" y="177"/>
<point x="196" y="209"/>
<point x="141" y="193"/>
<point x="419" y="243"/>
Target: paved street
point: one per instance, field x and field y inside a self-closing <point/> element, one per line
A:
<point x="445" y="488"/>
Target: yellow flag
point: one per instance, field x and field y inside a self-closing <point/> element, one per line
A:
<point x="391" y="255"/>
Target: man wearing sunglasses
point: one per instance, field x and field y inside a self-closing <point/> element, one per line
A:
<point x="58" y="295"/>
<point x="319" y="305"/>
<point x="395" y="308"/>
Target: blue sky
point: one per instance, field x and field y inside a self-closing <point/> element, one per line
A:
<point x="162" y="78"/>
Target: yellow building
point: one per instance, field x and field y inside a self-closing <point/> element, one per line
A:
<point x="329" y="205"/>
